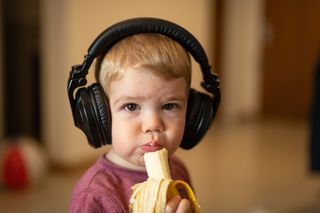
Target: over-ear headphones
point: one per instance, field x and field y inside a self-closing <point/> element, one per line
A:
<point x="91" y="112"/>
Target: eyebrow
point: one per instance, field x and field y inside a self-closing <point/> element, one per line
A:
<point x="139" y="98"/>
<point x="128" y="97"/>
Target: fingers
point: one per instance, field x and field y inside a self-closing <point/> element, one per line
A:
<point x="178" y="205"/>
<point x="172" y="204"/>
<point x="184" y="206"/>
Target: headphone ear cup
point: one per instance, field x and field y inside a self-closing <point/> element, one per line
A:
<point x="102" y="111"/>
<point x="92" y="115"/>
<point x="200" y="114"/>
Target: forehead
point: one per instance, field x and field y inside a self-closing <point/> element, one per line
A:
<point x="139" y="82"/>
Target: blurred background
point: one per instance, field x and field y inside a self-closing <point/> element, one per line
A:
<point x="262" y="153"/>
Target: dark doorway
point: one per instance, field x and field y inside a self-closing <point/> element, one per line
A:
<point x="21" y="67"/>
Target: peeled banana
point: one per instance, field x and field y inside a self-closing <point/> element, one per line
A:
<point x="151" y="195"/>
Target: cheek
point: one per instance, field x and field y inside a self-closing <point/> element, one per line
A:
<point x="179" y="128"/>
<point x="176" y="135"/>
<point x="122" y="139"/>
<point x="180" y="131"/>
<point x="124" y="132"/>
<point x="121" y="129"/>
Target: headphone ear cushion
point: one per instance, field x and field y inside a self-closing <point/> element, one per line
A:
<point x="91" y="115"/>
<point x="200" y="114"/>
<point x="102" y="111"/>
<point x="85" y="117"/>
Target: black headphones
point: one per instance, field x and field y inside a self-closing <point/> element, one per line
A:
<point x="90" y="109"/>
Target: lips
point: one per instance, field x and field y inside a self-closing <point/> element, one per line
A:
<point x="152" y="146"/>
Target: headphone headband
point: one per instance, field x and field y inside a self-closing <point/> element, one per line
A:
<point x="123" y="29"/>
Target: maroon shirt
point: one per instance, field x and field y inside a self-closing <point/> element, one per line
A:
<point x="106" y="187"/>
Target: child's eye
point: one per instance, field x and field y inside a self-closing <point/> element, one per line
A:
<point x="170" y="106"/>
<point x="131" y="107"/>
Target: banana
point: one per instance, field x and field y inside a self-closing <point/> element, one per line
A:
<point x="152" y="195"/>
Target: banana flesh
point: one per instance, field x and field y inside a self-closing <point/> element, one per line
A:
<point x="152" y="195"/>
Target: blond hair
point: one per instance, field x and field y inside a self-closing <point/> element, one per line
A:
<point x="160" y="54"/>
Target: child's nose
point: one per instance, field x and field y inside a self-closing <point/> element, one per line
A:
<point x="153" y="123"/>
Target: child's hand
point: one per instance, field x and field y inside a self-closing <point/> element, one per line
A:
<point x="178" y="205"/>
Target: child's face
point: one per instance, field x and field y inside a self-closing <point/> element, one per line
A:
<point x="148" y="113"/>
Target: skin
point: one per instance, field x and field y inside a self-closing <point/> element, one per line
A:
<point x="148" y="113"/>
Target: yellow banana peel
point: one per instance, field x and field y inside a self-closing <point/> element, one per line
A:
<point x="152" y="195"/>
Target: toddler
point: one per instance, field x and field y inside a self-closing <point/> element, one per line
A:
<point x="146" y="78"/>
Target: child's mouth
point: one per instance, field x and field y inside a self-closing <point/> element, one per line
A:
<point x="151" y="147"/>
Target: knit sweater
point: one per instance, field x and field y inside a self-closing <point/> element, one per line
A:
<point x="106" y="187"/>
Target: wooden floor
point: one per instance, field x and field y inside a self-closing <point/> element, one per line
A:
<point x="257" y="167"/>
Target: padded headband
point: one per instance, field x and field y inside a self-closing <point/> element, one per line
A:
<point x="150" y="25"/>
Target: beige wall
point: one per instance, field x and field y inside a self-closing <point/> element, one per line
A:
<point x="242" y="59"/>
<point x="68" y="28"/>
